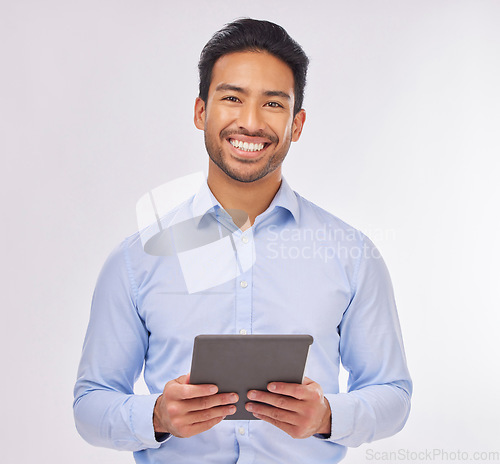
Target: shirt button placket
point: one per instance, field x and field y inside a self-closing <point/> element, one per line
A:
<point x="245" y="250"/>
<point x="246" y="450"/>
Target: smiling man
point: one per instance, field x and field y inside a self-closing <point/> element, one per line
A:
<point x="248" y="115"/>
<point x="311" y="273"/>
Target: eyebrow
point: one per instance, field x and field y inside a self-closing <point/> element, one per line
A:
<point x="234" y="88"/>
<point x="267" y="93"/>
<point x="277" y="93"/>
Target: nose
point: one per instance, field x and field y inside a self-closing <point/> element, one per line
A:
<point x="251" y="118"/>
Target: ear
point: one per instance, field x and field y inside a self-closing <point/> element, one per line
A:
<point x="298" y="125"/>
<point x="199" y="113"/>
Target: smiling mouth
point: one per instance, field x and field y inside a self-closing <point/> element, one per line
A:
<point x="247" y="146"/>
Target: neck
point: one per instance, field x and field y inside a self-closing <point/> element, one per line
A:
<point x="253" y="197"/>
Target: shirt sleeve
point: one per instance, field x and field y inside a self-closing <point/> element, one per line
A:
<point x="107" y="412"/>
<point x="377" y="403"/>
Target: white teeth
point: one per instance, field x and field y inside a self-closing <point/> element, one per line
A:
<point x="245" y="146"/>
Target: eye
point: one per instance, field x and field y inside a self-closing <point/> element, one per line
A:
<point x="274" y="105"/>
<point x="231" y="99"/>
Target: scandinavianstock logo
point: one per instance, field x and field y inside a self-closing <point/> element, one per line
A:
<point x="208" y="253"/>
<point x="211" y="252"/>
<point x="322" y="243"/>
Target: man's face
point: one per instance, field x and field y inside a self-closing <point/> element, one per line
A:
<point x="248" y="117"/>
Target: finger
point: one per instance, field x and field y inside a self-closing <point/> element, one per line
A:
<point x="287" y="428"/>
<point x="295" y="390"/>
<point x="204" y="426"/>
<point x="184" y="391"/>
<point x="207" y="402"/>
<point x="276" y="414"/>
<point x="207" y="415"/>
<point x="279" y="401"/>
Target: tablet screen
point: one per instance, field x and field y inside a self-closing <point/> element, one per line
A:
<point x="239" y="363"/>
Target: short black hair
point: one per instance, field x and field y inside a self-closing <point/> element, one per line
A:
<point x="248" y="34"/>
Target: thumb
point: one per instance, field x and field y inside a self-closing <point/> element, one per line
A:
<point x="307" y="381"/>
<point x="183" y="379"/>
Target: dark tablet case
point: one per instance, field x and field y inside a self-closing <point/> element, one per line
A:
<point x="239" y="363"/>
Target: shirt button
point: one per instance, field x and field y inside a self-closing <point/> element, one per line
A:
<point x="244" y="239"/>
<point x="241" y="431"/>
<point x="244" y="284"/>
<point x="243" y="332"/>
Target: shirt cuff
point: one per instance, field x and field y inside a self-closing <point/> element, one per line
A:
<point x="343" y="409"/>
<point x="141" y="419"/>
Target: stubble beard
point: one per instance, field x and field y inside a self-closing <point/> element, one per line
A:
<point x="215" y="152"/>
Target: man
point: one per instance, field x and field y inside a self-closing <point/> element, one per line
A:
<point x="311" y="273"/>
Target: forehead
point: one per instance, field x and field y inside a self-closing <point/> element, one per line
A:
<point x="255" y="71"/>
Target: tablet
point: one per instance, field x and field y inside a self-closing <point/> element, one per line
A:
<point x="239" y="363"/>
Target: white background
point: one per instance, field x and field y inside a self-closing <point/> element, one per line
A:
<point x="401" y="141"/>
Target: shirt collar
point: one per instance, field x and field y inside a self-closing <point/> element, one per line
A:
<point x="285" y="198"/>
<point x="204" y="202"/>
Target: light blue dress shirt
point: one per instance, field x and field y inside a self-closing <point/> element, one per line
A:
<point x="298" y="270"/>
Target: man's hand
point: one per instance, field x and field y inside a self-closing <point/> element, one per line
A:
<point x="300" y="410"/>
<point x="185" y="410"/>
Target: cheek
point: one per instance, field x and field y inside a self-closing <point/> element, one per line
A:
<point x="286" y="133"/>
<point x="282" y="127"/>
<point x="220" y="115"/>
